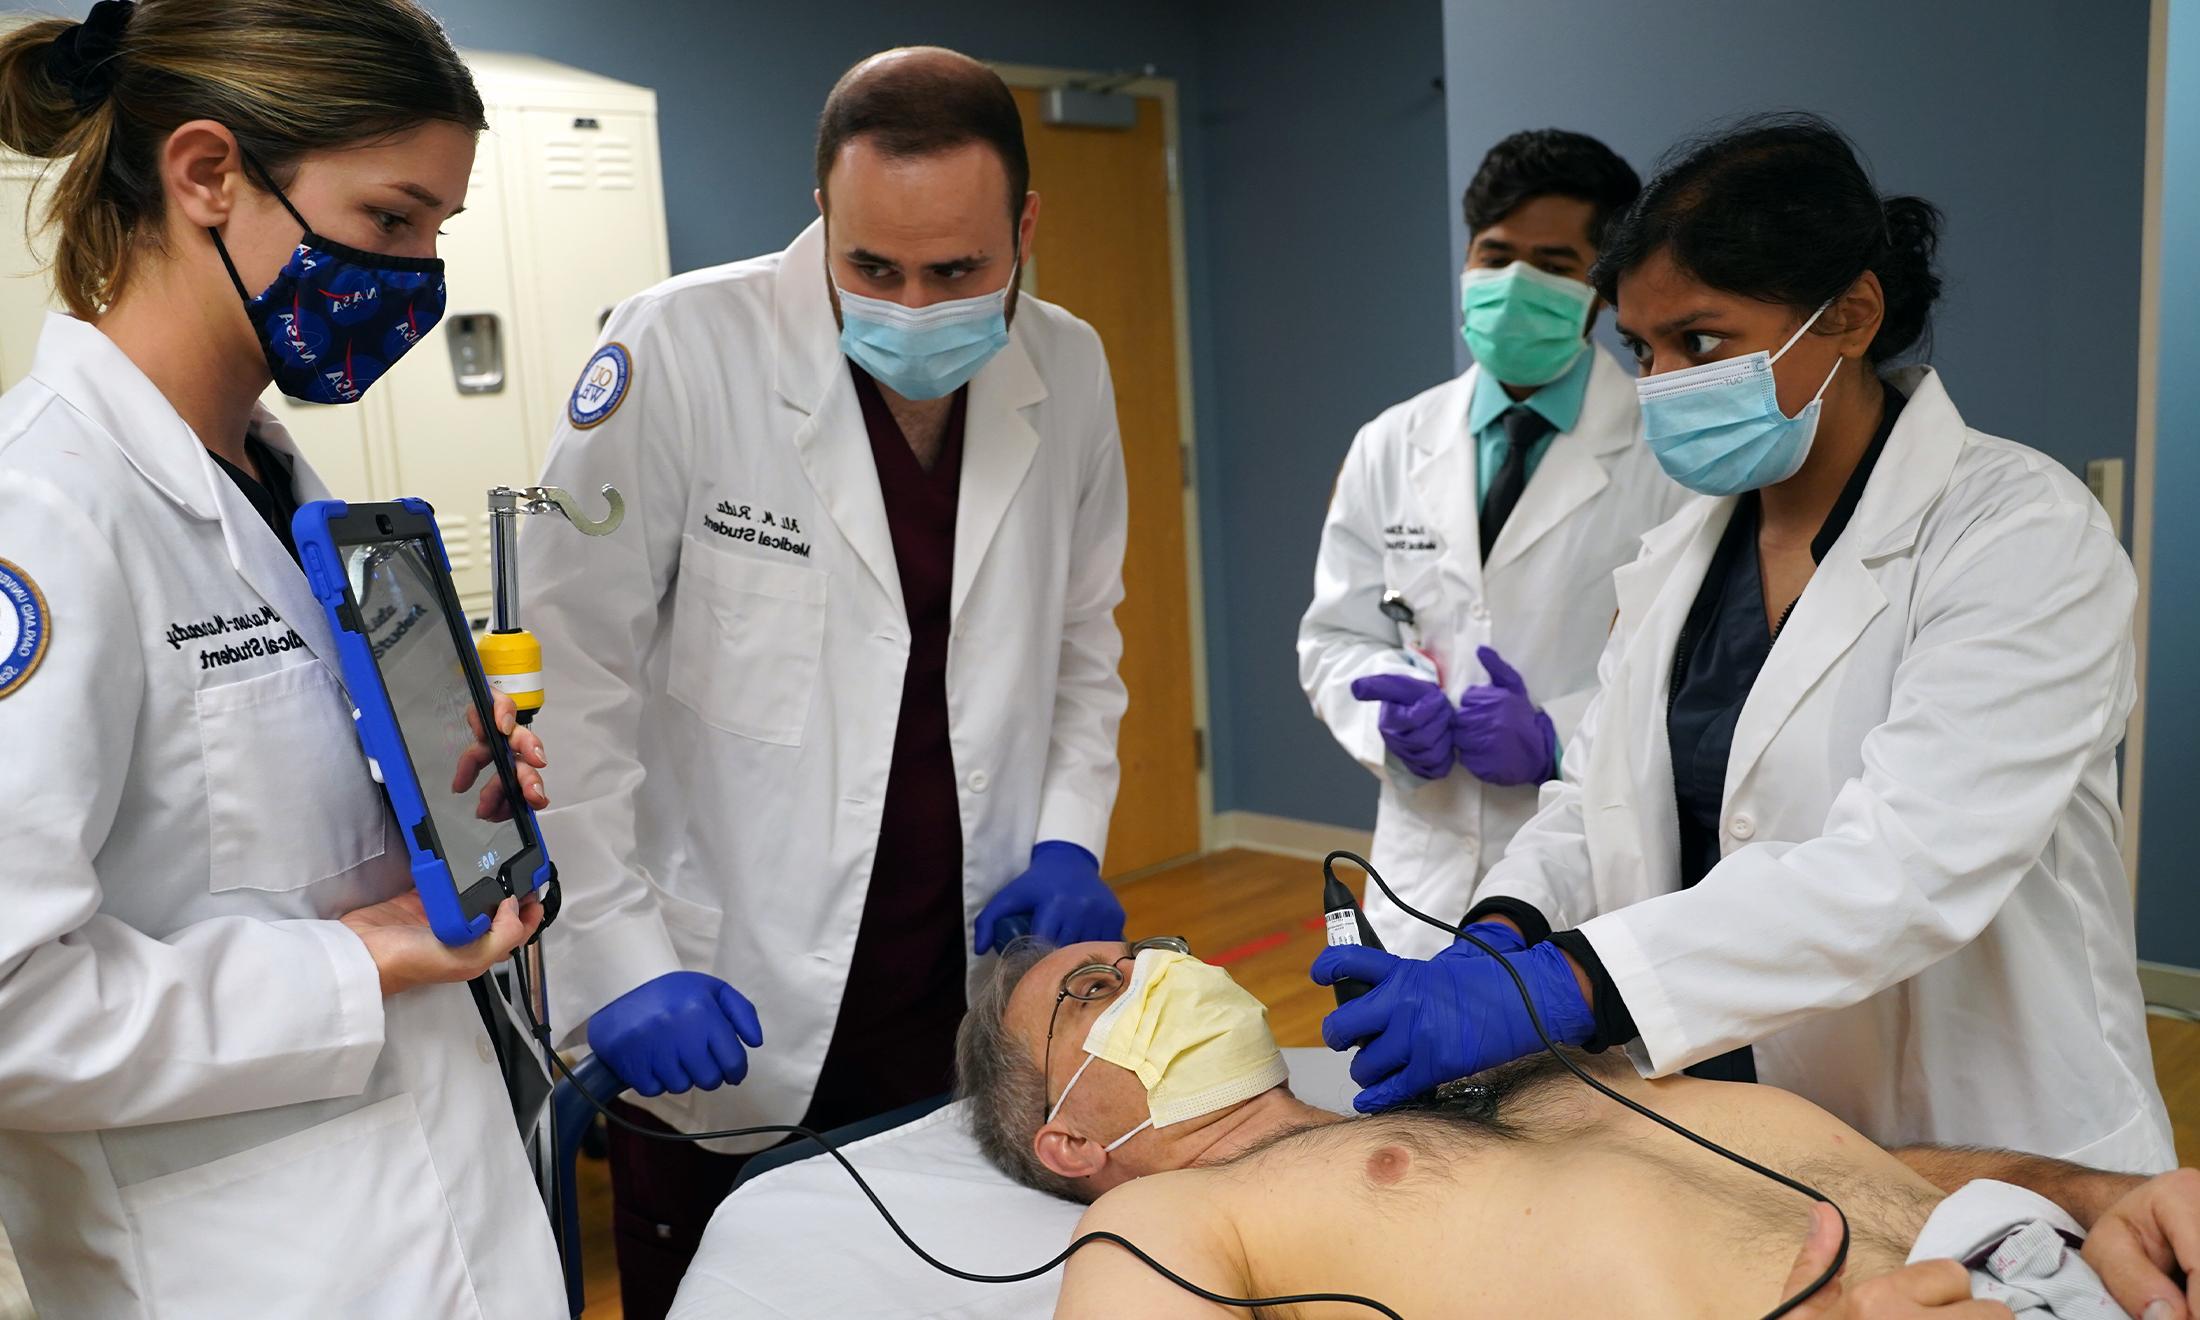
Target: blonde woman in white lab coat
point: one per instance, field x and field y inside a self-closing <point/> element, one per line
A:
<point x="238" y="1075"/>
<point x="1843" y="816"/>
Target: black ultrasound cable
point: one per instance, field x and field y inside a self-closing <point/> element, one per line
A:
<point x="541" y="1033"/>
<point x="1535" y="1019"/>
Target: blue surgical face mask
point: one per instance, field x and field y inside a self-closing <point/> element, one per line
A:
<point x="1718" y="430"/>
<point x="924" y="352"/>
<point x="1524" y="326"/>
<point x="337" y="318"/>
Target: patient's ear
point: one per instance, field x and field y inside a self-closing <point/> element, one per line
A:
<point x="1066" y="1153"/>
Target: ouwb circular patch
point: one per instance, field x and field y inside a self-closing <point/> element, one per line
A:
<point x="602" y="386"/>
<point x="23" y="627"/>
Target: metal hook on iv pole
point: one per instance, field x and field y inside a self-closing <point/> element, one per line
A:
<point x="542" y="499"/>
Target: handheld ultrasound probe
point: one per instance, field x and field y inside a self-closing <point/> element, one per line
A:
<point x="1347" y="925"/>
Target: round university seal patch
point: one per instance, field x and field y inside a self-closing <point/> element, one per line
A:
<point x="24" y="629"/>
<point x="601" y="387"/>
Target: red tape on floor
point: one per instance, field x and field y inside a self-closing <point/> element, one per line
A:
<point x="1266" y="942"/>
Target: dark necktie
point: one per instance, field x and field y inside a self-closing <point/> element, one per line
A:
<point x="1524" y="426"/>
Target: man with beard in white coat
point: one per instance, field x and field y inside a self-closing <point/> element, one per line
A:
<point x="1464" y="585"/>
<point x="848" y="695"/>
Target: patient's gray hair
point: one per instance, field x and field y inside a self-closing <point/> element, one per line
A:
<point x="994" y="1073"/>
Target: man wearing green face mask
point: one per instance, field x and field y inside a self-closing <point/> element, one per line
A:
<point x="1463" y="590"/>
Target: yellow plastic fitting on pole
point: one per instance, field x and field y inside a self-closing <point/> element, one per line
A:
<point x="512" y="662"/>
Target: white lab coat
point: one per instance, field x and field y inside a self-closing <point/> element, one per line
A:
<point x="207" y="1108"/>
<point x="1921" y="921"/>
<point x="726" y="707"/>
<point x="1405" y="517"/>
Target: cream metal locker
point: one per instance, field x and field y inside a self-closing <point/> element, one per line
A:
<point x="588" y="213"/>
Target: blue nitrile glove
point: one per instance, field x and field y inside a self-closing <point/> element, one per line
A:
<point x="1415" y="721"/>
<point x="1062" y="893"/>
<point x="680" y="1031"/>
<point x="1500" y="735"/>
<point x="1496" y="934"/>
<point x="1428" y="1023"/>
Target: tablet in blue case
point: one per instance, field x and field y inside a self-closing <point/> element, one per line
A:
<point x="423" y="709"/>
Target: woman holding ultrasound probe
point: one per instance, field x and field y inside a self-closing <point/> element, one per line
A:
<point x="1843" y="815"/>
<point x="239" y="1076"/>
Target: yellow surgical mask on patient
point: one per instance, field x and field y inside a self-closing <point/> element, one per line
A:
<point x="1194" y="1038"/>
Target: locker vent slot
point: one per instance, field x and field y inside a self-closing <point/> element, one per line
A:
<point x="579" y="164"/>
<point x="458" y="543"/>
<point x="565" y="163"/>
<point x="614" y="163"/>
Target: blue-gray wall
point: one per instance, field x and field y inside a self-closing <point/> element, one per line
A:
<point x="1330" y="297"/>
<point x="2169" y="859"/>
<point x="2024" y="120"/>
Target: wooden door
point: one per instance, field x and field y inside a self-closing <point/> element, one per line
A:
<point x="1103" y="252"/>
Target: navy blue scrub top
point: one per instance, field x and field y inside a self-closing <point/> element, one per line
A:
<point x="273" y="494"/>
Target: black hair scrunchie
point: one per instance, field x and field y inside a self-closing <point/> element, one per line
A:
<point x="82" y="59"/>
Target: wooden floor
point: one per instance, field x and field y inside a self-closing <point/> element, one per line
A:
<point x="1260" y="915"/>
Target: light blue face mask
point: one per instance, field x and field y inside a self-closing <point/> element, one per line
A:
<point x="1718" y="430"/>
<point x="925" y="352"/>
<point x="1524" y="325"/>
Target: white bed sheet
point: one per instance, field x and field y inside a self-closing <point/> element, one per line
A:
<point x="801" y="1241"/>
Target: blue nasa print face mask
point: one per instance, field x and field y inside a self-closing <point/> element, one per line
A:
<point x="337" y="318"/>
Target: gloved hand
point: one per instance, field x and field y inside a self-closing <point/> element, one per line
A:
<point x="682" y="1030"/>
<point x="1499" y="734"/>
<point x="1496" y="934"/>
<point x="1452" y="1016"/>
<point x="1415" y="721"/>
<point x="1064" y="896"/>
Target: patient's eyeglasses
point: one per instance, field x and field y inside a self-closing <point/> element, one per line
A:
<point x="1094" y="980"/>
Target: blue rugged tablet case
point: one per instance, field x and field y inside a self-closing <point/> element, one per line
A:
<point x="377" y="722"/>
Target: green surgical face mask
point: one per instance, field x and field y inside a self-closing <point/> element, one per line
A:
<point x="1525" y="326"/>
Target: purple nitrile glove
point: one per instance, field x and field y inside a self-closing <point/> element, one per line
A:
<point x="679" y="1031"/>
<point x="1416" y="721"/>
<point x="1062" y="893"/>
<point x="1499" y="734"/>
<point x="1430" y="1022"/>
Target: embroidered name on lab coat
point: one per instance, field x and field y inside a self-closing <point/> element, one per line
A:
<point x="750" y="525"/>
<point x="1408" y="536"/>
<point x="222" y="625"/>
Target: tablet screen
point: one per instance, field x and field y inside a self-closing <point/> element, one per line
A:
<point x="415" y="644"/>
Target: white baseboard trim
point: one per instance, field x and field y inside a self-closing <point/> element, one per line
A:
<point x="2179" y="987"/>
<point x="1283" y="834"/>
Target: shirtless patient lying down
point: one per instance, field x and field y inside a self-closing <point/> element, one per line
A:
<point x="1524" y="1194"/>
